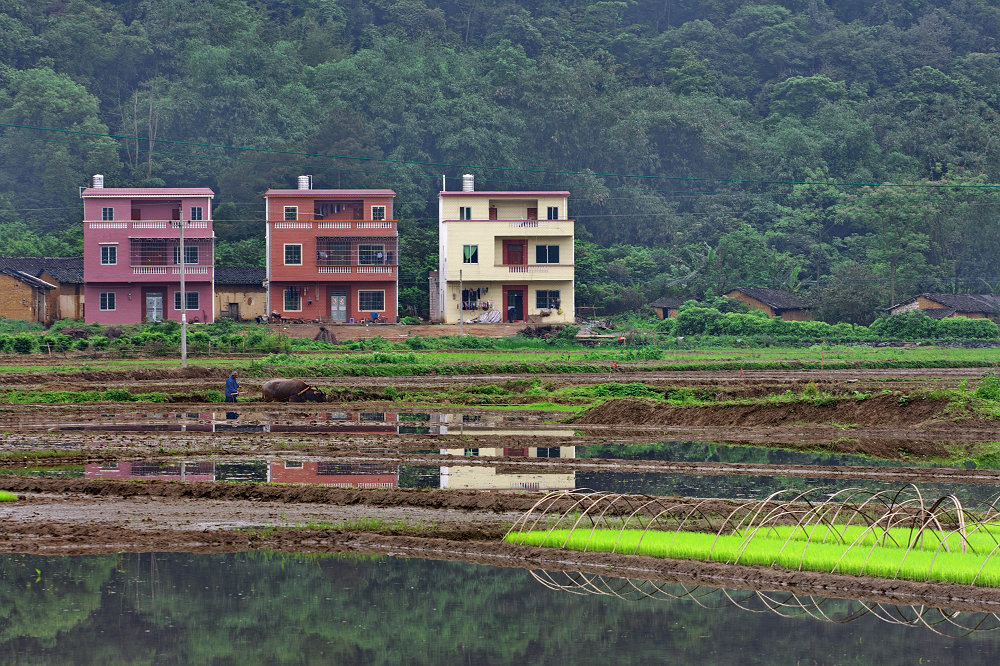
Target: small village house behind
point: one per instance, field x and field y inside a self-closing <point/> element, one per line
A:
<point x="775" y="302"/>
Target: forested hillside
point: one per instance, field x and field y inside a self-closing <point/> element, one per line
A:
<point x="844" y="147"/>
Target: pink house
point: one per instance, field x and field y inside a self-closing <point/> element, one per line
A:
<point x="132" y="255"/>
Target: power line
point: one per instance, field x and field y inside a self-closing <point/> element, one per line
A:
<point x="561" y="172"/>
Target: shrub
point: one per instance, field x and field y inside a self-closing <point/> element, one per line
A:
<point x="409" y="320"/>
<point x="24" y="343"/>
<point x="988" y="388"/>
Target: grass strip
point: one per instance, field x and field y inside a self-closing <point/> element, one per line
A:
<point x="6" y="496"/>
<point x="823" y="552"/>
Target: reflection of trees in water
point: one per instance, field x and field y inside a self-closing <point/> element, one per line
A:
<point x="838" y="611"/>
<point x="262" y="607"/>
<point x="745" y="487"/>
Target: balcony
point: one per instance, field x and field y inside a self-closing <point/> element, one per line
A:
<point x="513" y="272"/>
<point x="192" y="271"/>
<point x="365" y="226"/>
<point x="530" y="228"/>
<point x="151" y="228"/>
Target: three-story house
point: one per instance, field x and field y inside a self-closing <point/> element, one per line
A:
<point x="505" y="256"/>
<point x="133" y="258"/>
<point x="332" y="254"/>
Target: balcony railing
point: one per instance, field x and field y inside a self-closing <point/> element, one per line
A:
<point x="148" y="224"/>
<point x="171" y="270"/>
<point x="531" y="268"/>
<point x="357" y="270"/>
<point x="388" y="225"/>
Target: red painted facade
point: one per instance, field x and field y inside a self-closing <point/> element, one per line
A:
<point x="131" y="254"/>
<point x="332" y="255"/>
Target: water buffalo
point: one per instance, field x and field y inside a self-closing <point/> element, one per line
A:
<point x="291" y="390"/>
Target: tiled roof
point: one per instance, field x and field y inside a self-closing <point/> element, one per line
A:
<point x="25" y="277"/>
<point x="65" y="270"/>
<point x="986" y="303"/>
<point x="667" y="302"/>
<point x="246" y="275"/>
<point x="775" y="298"/>
<point x="505" y="193"/>
<point x="329" y="193"/>
<point x="151" y="192"/>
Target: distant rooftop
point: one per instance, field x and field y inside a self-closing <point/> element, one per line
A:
<point x="293" y="192"/>
<point x="147" y="192"/>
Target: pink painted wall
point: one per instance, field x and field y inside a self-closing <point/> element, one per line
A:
<point x="133" y="310"/>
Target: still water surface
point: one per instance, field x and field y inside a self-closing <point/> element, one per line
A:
<point x="261" y="608"/>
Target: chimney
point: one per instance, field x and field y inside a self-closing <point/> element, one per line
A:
<point x="305" y="182"/>
<point x="468" y="182"/>
<point x="98" y="181"/>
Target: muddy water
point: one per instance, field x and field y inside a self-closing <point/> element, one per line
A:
<point x="259" y="608"/>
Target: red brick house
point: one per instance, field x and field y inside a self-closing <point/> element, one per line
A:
<point x="332" y="255"/>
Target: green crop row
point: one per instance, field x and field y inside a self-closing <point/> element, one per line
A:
<point x="875" y="556"/>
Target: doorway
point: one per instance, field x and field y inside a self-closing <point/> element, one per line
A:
<point x="154" y="306"/>
<point x="338" y="306"/>
<point x="513" y="303"/>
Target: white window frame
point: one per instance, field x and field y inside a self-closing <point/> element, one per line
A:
<point x="465" y="212"/>
<point x="109" y="254"/>
<point x="553" y="212"/>
<point x="373" y="248"/>
<point x="378" y="212"/>
<point x="292" y="211"/>
<point x="289" y="263"/>
<point x="284" y="299"/>
<point x="107" y="214"/>
<point x="108" y="298"/>
<point x="188" y="294"/>
<point x="546" y="246"/>
<point x="473" y="257"/>
<point x="190" y="252"/>
<point x="371" y="291"/>
<point x="197" y="212"/>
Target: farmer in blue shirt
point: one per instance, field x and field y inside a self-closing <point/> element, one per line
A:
<point x="232" y="388"/>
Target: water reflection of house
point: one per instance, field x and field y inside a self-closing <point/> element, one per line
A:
<point x="340" y="475"/>
<point x="183" y="471"/>
<point x="472" y="425"/>
<point x="481" y="477"/>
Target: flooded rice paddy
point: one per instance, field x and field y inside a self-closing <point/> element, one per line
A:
<point x="316" y="607"/>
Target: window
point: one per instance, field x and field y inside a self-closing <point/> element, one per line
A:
<point x="378" y="212"/>
<point x="465" y="212"/>
<point x="190" y="296"/>
<point x="547" y="299"/>
<point x="293" y="255"/>
<point x="196" y="213"/>
<point x="291" y="212"/>
<point x="107" y="300"/>
<point x="109" y="255"/>
<point x="470" y="254"/>
<point x="293" y="464"/>
<point x="106" y="215"/>
<point x="190" y="254"/>
<point x="293" y="299"/>
<point x="371" y="301"/>
<point x="546" y="254"/>
<point x="369" y="255"/>
<point x="330" y="252"/>
<point x="553" y="212"/>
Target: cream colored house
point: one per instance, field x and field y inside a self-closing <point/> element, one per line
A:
<point x="504" y="256"/>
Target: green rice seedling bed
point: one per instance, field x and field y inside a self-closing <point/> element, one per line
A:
<point x="837" y="549"/>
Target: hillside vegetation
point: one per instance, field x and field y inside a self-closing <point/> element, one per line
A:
<point x="845" y="148"/>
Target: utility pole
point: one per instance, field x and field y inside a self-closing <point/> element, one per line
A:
<point x="184" y="318"/>
<point x="461" y="305"/>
